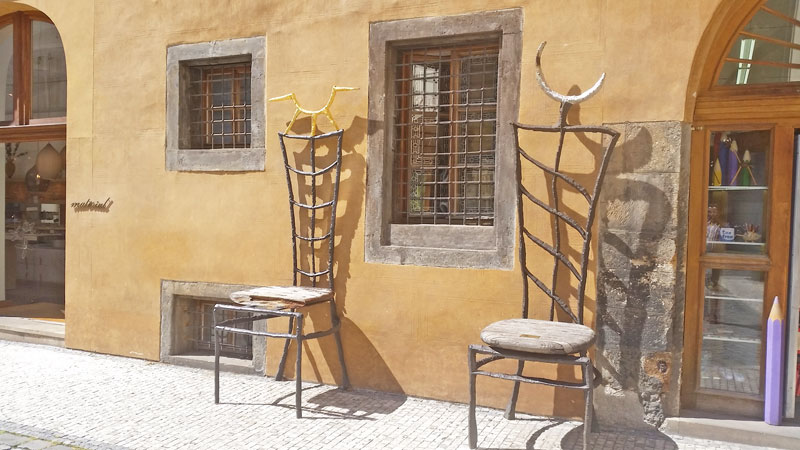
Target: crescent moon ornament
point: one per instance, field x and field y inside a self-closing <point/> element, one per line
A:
<point x="571" y="99"/>
<point x="313" y="113"/>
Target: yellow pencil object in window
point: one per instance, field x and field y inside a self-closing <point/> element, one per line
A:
<point x="313" y="113"/>
<point x="716" y="174"/>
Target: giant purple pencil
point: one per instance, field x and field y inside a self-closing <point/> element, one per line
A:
<point x="774" y="369"/>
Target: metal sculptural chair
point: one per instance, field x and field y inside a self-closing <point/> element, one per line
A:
<point x="267" y="302"/>
<point x="546" y="341"/>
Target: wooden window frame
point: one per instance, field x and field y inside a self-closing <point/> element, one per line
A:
<point x="238" y="126"/>
<point x="23" y="128"/>
<point x="401" y="196"/>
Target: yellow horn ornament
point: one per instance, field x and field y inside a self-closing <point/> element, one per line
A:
<point x="324" y="110"/>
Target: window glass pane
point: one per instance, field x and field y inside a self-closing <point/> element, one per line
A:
<point x="48" y="71"/>
<point x="737" y="192"/>
<point x="772" y="42"/>
<point x="731" y="344"/>
<point x="219" y="105"/>
<point x="7" y="70"/>
<point x="445" y="120"/>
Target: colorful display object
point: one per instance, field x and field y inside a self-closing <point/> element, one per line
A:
<point x="722" y="160"/>
<point x="313" y="113"/>
<point x="774" y="369"/>
<point x="716" y="174"/>
<point x="732" y="170"/>
<point x="747" y="178"/>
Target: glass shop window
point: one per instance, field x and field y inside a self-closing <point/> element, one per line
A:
<point x="33" y="71"/>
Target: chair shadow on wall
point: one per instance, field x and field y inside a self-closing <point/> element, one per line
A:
<point x="632" y="321"/>
<point x="621" y="303"/>
<point x="365" y="364"/>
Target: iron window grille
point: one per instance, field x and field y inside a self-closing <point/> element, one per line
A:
<point x="202" y="332"/>
<point x="445" y="118"/>
<point x="220" y="106"/>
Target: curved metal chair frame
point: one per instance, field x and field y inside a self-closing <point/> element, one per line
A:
<point x="559" y="258"/>
<point x="287" y="307"/>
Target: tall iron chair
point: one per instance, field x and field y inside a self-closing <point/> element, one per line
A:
<point x="268" y="302"/>
<point x="547" y="341"/>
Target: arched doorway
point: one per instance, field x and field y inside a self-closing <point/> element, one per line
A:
<point x="33" y="133"/>
<point x="746" y="119"/>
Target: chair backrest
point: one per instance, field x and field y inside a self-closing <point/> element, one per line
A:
<point x="304" y="238"/>
<point x="557" y="215"/>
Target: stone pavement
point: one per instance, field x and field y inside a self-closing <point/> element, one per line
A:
<point x="106" y="402"/>
<point x="18" y="441"/>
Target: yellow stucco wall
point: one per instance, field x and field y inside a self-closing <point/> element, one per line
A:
<point x="405" y="328"/>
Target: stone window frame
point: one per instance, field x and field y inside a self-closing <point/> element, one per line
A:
<point x="488" y="247"/>
<point x="179" y="58"/>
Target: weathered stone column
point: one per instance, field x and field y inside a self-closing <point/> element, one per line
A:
<point x="641" y="275"/>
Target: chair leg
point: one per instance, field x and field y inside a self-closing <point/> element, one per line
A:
<point x="511" y="408"/>
<point x="588" y="377"/>
<point x="337" y="324"/>
<point x="298" y="375"/>
<point x="217" y="339"/>
<point x="472" y="422"/>
<point x="282" y="364"/>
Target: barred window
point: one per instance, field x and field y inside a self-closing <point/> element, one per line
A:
<point x="220" y="106"/>
<point x="215" y="105"/>
<point x="201" y="323"/>
<point x="445" y="115"/>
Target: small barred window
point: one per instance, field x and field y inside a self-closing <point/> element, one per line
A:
<point x="220" y="106"/>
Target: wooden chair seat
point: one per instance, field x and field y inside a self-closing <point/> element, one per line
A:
<point x="281" y="297"/>
<point x="538" y="336"/>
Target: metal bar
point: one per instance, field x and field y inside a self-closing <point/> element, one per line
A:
<point x="557" y="174"/>
<point x="282" y="363"/>
<point x="571" y="360"/>
<point x="292" y="202"/>
<point x="298" y="392"/>
<point x="590" y="219"/>
<point x="337" y="337"/>
<point x="315" y="239"/>
<point x="217" y="338"/>
<point x="488" y="359"/>
<point x="251" y="309"/>
<point x="588" y="379"/>
<point x="313" y="206"/>
<point x="255" y="333"/>
<point x="521" y="221"/>
<point x="554" y="193"/>
<point x="309" y="138"/>
<point x="314" y="274"/>
<point x="553" y="252"/>
<point x="319" y="172"/>
<point x="511" y="408"/>
<point x="554" y="297"/>
<point x="568" y="128"/>
<point x="554" y="212"/>
<point x="246" y="319"/>
<point x="531" y="380"/>
<point x="471" y="420"/>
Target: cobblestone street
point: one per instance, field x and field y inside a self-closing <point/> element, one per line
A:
<point x="56" y="398"/>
